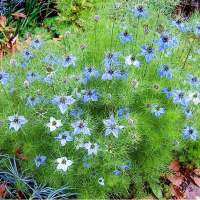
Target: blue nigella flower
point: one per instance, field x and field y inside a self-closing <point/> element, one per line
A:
<point x="16" y="122"/>
<point x="139" y="11"/>
<point x="166" y="41"/>
<point x="69" y="60"/>
<point x="147" y="52"/>
<point x="112" y="127"/>
<point x="157" y="110"/>
<point x="197" y="29"/>
<point x="125" y="37"/>
<point x="76" y="113"/>
<point x="27" y="55"/>
<point x="80" y="127"/>
<point x="109" y="74"/>
<point x="33" y="101"/>
<point x="117" y="172"/>
<point x="111" y="59"/>
<point x="123" y="112"/>
<point x="188" y="112"/>
<point x="90" y="95"/>
<point x="190" y="132"/>
<point x="4" y="78"/>
<point x="90" y="72"/>
<point x="121" y="74"/>
<point x="36" y="43"/>
<point x="39" y="160"/>
<point x="52" y="60"/>
<point x="32" y="76"/>
<point x="193" y="80"/>
<point x="63" y="102"/>
<point x="64" y="137"/>
<point x="179" y="97"/>
<point x="166" y="71"/>
<point x="167" y="92"/>
<point x="180" y="25"/>
<point x="125" y="166"/>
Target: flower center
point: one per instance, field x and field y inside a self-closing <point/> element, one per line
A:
<point x="62" y="100"/>
<point x="16" y="120"/>
<point x="140" y="9"/>
<point x="64" y="162"/>
<point x="149" y="50"/>
<point x="190" y="131"/>
<point x="1" y="76"/>
<point x="54" y="123"/>
<point x="165" y="39"/>
<point x="81" y="125"/>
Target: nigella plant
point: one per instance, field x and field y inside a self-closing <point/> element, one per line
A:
<point x="39" y="160"/>
<point x="63" y="102"/>
<point x="111" y="59"/>
<point x="69" y="60"/>
<point x="197" y="29"/>
<point x="139" y="11"/>
<point x="125" y="37"/>
<point x="180" y="97"/>
<point x="34" y="100"/>
<point x="90" y="72"/>
<point x="27" y="54"/>
<point x="4" y="77"/>
<point x="65" y="137"/>
<point x="166" y="41"/>
<point x="90" y="95"/>
<point x="190" y="132"/>
<point x="36" y="43"/>
<point x="157" y="110"/>
<point x="16" y="122"/>
<point x="193" y="80"/>
<point x="166" y="71"/>
<point x="148" y="52"/>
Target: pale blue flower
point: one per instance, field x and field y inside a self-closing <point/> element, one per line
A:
<point x="112" y="127"/>
<point x="157" y="110"/>
<point x="166" y="71"/>
<point x="16" y="122"/>
<point x="80" y="127"/>
<point x="139" y="11"/>
<point x="36" y="43"/>
<point x="90" y="95"/>
<point x="63" y="102"/>
<point x="111" y="59"/>
<point x="179" y="97"/>
<point x="90" y="72"/>
<point x="125" y="37"/>
<point x="39" y="160"/>
<point x="69" y="60"/>
<point x="32" y="76"/>
<point x="190" y="132"/>
<point x="64" y="137"/>
<point x="148" y="52"/>
<point x="4" y="78"/>
<point x="27" y="55"/>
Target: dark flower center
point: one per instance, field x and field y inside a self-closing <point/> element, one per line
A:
<point x="64" y="162"/>
<point x="67" y="59"/>
<point x="178" y="21"/>
<point x="1" y="76"/>
<point x="140" y="9"/>
<point x="27" y="53"/>
<point x="166" y="68"/>
<point x="81" y="125"/>
<point x="195" y="96"/>
<point x="92" y="146"/>
<point x="181" y="95"/>
<point x="32" y="98"/>
<point x="16" y="120"/>
<point x="190" y="131"/>
<point x="132" y="58"/>
<point x="125" y="33"/>
<point x="33" y="74"/>
<point x="165" y="39"/>
<point x="89" y="93"/>
<point x="54" y="123"/>
<point x="37" y="41"/>
<point x="89" y="69"/>
<point x="62" y="99"/>
<point x="64" y="137"/>
<point x="194" y="79"/>
<point x="110" y="71"/>
<point x="110" y="55"/>
<point x="149" y="49"/>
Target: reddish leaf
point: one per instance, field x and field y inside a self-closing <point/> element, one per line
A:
<point x="20" y="195"/>
<point x="176" y="180"/>
<point x="196" y="180"/>
<point x="175" y="166"/>
<point x="176" y="192"/>
<point x="2" y="190"/>
<point x="20" y="155"/>
<point x="2" y="21"/>
<point x="197" y="172"/>
<point x="19" y="15"/>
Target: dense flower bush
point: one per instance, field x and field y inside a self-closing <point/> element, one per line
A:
<point x="107" y="109"/>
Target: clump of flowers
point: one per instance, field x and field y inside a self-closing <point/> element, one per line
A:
<point x="108" y="116"/>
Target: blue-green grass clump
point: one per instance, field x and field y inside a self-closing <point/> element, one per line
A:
<point x="105" y="109"/>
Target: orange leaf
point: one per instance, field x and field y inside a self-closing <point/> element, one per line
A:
<point x="2" y="190"/>
<point x="176" y="180"/>
<point x="175" y="166"/>
<point x="20" y="155"/>
<point x="19" y="15"/>
<point x="2" y="21"/>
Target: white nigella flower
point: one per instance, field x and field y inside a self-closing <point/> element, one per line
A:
<point x="91" y="148"/>
<point x="130" y="60"/>
<point x="16" y="122"/>
<point x="195" y="97"/>
<point x="63" y="164"/>
<point x="54" y="124"/>
<point x="101" y="181"/>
